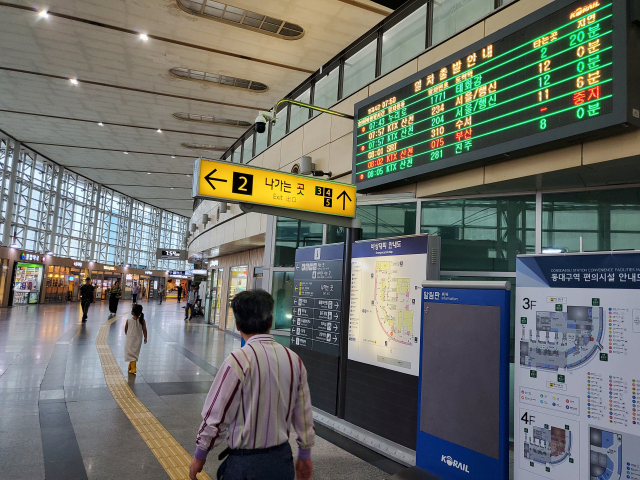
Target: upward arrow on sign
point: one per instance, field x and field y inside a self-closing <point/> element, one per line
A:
<point x="344" y="195"/>
<point x="210" y="179"/>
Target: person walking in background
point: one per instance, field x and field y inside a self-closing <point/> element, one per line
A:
<point x="114" y="297"/>
<point x="135" y="329"/>
<point x="179" y="293"/>
<point x="191" y="302"/>
<point x="161" y="293"/>
<point x="259" y="392"/>
<point x="134" y="292"/>
<point x="87" y="297"/>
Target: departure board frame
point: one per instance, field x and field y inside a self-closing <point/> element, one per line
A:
<point x="395" y="138"/>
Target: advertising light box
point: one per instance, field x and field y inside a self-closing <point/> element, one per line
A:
<point x="563" y="73"/>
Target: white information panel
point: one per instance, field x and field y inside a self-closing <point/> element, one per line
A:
<point x="384" y="317"/>
<point x="577" y="367"/>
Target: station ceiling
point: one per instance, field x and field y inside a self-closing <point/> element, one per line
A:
<point x="68" y="65"/>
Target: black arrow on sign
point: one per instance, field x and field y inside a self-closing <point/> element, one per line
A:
<point x="210" y="179"/>
<point x="344" y="195"/>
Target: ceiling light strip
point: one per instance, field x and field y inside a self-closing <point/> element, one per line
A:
<point x="155" y="37"/>
<point x="131" y="89"/>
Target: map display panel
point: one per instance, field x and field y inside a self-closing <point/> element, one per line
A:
<point x="577" y="378"/>
<point x="386" y="278"/>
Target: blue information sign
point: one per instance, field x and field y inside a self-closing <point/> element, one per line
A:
<point x="463" y="409"/>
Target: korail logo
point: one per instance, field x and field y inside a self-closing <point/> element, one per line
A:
<point x="455" y="464"/>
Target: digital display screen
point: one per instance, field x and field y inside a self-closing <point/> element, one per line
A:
<point x="552" y="73"/>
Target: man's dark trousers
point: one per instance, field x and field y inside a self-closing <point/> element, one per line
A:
<point x="85" y="308"/>
<point x="275" y="465"/>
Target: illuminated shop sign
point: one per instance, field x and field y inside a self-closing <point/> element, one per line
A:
<point x="112" y="269"/>
<point x="77" y="264"/>
<point x="31" y="257"/>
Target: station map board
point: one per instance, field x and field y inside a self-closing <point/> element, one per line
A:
<point x="317" y="299"/>
<point x="560" y="73"/>
<point x="385" y="308"/>
<point x="577" y="367"/>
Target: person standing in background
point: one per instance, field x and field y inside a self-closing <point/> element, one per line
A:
<point x="87" y="297"/>
<point x="134" y="292"/>
<point x="179" y="293"/>
<point x="114" y="297"/>
<point x="191" y="302"/>
<point x="161" y="293"/>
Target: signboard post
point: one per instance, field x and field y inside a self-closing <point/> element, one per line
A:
<point x="577" y="367"/>
<point x="287" y="192"/>
<point x="561" y="73"/>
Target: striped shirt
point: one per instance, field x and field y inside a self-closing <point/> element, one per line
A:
<point x="259" y="392"/>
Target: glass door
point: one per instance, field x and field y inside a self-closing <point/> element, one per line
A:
<point x="237" y="283"/>
<point x="215" y="296"/>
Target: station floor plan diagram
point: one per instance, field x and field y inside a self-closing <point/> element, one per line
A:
<point x="561" y="339"/>
<point x="392" y="303"/>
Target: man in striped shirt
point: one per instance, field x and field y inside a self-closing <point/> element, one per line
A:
<point x="259" y="392"/>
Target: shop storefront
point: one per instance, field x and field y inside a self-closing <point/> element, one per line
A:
<point x="238" y="276"/>
<point x="177" y="279"/>
<point x="58" y="281"/>
<point x="26" y="283"/>
<point x="213" y="301"/>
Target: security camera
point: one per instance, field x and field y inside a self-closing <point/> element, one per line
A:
<point x="260" y="124"/>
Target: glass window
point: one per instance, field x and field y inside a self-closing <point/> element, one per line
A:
<point x="404" y="40"/>
<point x="236" y="155"/>
<point x="237" y="283"/>
<point x="261" y="141"/>
<point x="280" y="128"/>
<point x="291" y="234"/>
<point x="380" y="221"/>
<point x="325" y="93"/>
<point x="451" y="16"/>
<point x="359" y="69"/>
<point x="248" y="149"/>
<point x="299" y="115"/>
<point x="283" y="297"/>
<point x="481" y="234"/>
<point x="606" y="220"/>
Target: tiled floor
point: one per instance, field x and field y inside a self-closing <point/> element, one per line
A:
<point x="59" y="419"/>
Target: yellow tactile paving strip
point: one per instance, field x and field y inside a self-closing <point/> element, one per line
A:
<point x="173" y="458"/>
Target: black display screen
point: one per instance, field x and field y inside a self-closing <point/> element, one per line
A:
<point x="554" y="72"/>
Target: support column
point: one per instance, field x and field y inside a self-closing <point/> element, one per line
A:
<point x="353" y="235"/>
<point x="92" y="255"/>
<point x="56" y="207"/>
<point x="6" y="236"/>
<point x="126" y="249"/>
<point x="155" y="253"/>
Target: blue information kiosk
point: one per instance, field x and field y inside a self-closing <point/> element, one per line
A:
<point x="463" y="409"/>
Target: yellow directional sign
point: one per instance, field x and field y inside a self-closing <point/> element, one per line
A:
<point x="240" y="183"/>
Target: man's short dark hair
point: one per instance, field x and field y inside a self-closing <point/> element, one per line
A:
<point x="253" y="310"/>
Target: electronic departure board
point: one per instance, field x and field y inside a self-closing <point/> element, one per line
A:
<point x="560" y="73"/>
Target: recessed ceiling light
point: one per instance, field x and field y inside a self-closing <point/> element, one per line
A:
<point x="148" y="173"/>
<point x="101" y="124"/>
<point x="144" y="37"/>
<point x="159" y="131"/>
<point x="126" y="153"/>
<point x="43" y="14"/>
<point x="73" y="81"/>
<point x="173" y="156"/>
<point x="171" y="188"/>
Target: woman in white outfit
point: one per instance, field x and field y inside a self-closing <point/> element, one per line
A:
<point x="135" y="329"/>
